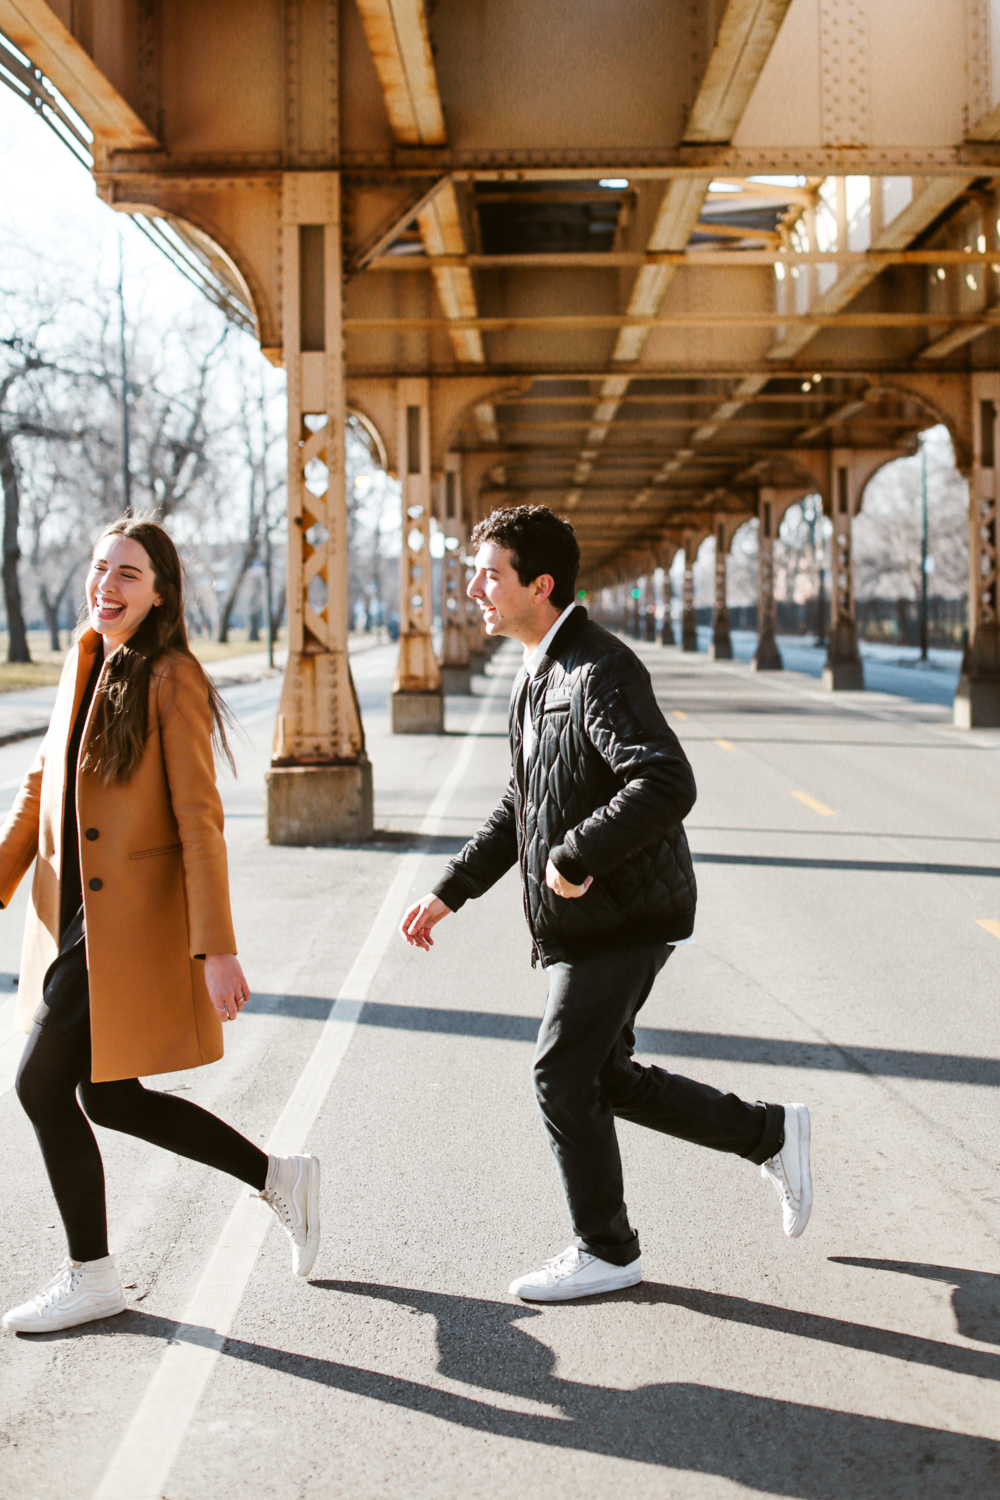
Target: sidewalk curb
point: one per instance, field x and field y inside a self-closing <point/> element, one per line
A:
<point x="31" y="732"/>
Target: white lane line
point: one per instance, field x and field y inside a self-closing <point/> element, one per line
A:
<point x="140" y="1468"/>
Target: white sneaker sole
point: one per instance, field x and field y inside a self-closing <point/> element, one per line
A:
<point x="801" y="1219"/>
<point x="565" y="1291"/>
<point x="304" y="1260"/>
<point x="95" y="1308"/>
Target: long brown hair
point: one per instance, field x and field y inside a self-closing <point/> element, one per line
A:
<point x="120" y="721"/>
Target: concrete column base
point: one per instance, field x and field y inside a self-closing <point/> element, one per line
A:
<point x="977" y="702"/>
<point x="456" y="679"/>
<point x="843" y="676"/>
<point x="320" y="805"/>
<point x="477" y="663"/>
<point x="721" y="647"/>
<point x="416" y="713"/>
<point x="689" y="632"/>
<point x="843" y="672"/>
<point x="666" y="636"/>
<point x="767" y="657"/>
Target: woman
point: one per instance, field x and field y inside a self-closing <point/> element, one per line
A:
<point x="129" y="965"/>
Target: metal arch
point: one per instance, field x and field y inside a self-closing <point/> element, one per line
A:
<point x="182" y="246"/>
<point x="188" y="252"/>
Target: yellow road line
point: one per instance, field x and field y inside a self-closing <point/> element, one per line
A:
<point x="990" y="923"/>
<point x="725" y="745"/>
<point x="678" y="714"/>
<point x="817" y="807"/>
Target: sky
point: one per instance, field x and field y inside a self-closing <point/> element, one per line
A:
<point x="49" y="207"/>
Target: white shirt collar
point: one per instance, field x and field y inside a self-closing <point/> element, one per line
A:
<point x="532" y="658"/>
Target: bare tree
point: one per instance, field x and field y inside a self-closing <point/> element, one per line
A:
<point x="887" y="532"/>
<point x="260" y="442"/>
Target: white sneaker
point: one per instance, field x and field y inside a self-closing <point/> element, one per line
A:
<point x="79" y="1292"/>
<point x="292" y="1190"/>
<point x="575" y="1273"/>
<point x="789" y="1171"/>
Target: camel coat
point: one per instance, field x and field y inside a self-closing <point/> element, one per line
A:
<point x="155" y="876"/>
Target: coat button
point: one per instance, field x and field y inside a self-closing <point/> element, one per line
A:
<point x="95" y="884"/>
<point x="91" y="834"/>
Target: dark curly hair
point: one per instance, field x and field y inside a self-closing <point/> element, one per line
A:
<point x="538" y="543"/>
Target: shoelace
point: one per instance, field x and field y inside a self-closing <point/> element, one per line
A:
<point x="280" y="1207"/>
<point x="66" y="1279"/>
<point x="779" y="1179"/>
<point x="564" y="1264"/>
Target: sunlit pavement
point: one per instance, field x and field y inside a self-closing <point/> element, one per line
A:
<point x="847" y="852"/>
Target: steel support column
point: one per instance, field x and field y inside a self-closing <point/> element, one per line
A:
<point x="416" y="704"/>
<point x="843" y="669"/>
<point x="666" y="630"/>
<point x="649" y="607"/>
<point x="455" y="675"/>
<point x="689" y="627"/>
<point x="977" y="698"/>
<point x="319" y="787"/>
<point x="721" y="648"/>
<point x="767" y="657"/>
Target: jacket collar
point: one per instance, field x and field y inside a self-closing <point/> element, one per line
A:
<point x="563" y="636"/>
<point x="87" y="648"/>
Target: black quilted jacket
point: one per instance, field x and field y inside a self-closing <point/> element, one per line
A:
<point x="607" y="787"/>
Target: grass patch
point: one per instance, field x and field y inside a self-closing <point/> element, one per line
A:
<point x="16" y="675"/>
<point x="45" y="667"/>
<point x="237" y="645"/>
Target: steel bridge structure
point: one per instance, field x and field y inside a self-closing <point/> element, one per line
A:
<point x="665" y="267"/>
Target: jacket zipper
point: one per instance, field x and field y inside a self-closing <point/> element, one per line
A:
<point x="519" y="751"/>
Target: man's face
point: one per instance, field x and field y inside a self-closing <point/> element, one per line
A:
<point x="508" y="607"/>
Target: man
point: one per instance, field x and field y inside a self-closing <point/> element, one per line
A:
<point x="593" y="813"/>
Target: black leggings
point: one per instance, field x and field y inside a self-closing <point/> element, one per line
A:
<point x="54" y="1069"/>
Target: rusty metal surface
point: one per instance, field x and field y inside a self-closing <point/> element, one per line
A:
<point x="646" y="261"/>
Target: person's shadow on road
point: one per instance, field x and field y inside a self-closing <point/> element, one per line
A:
<point x="776" y="1446"/>
<point x="975" y="1300"/>
<point x="768" y="1445"/>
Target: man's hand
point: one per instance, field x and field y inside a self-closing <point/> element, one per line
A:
<point x="418" y="921"/>
<point x="562" y="887"/>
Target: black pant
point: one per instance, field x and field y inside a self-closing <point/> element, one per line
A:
<point x="55" y="1067"/>
<point x="585" y="1078"/>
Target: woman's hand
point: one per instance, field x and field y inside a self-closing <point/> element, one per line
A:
<point x="227" y="988"/>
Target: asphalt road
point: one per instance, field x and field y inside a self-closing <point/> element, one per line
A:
<point x="839" y="960"/>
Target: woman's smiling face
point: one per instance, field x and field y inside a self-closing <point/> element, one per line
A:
<point x="121" y="589"/>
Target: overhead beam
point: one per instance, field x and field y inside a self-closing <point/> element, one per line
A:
<point x="400" y="45"/>
<point x="369" y="255"/>
<point x="743" y="42"/>
<point x="747" y="33"/>
<point x="810" y="322"/>
<point x="440" y="226"/>
<point x="610" y="260"/>
<point x="35" y="29"/>
<point x="936" y="198"/>
<point x="399" y="42"/>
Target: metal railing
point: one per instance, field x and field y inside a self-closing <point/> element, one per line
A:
<point x="40" y="94"/>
